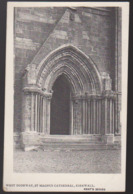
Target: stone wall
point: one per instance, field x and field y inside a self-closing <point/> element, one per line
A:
<point x="41" y="30"/>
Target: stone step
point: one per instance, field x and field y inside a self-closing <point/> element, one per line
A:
<point x="79" y="147"/>
<point x="86" y="142"/>
<point x="49" y="147"/>
<point x="73" y="143"/>
<point x="71" y="139"/>
<point x="86" y="136"/>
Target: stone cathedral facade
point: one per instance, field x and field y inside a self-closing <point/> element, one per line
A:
<point x="67" y="74"/>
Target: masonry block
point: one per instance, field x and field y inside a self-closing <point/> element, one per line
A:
<point x="108" y="139"/>
<point x="30" y="140"/>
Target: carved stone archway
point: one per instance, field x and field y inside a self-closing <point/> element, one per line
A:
<point x="92" y="101"/>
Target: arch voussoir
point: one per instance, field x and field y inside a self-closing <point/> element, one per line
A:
<point x="81" y="65"/>
<point x="86" y="90"/>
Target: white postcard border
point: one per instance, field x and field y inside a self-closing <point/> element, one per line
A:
<point x="111" y="182"/>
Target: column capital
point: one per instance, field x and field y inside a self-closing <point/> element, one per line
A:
<point x="86" y="96"/>
<point x="109" y="94"/>
<point x="37" y="90"/>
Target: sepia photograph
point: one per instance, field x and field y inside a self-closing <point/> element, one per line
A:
<point x="66" y="95"/>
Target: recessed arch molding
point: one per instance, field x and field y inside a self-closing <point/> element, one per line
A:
<point x="92" y="99"/>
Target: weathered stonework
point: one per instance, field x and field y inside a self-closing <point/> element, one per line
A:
<point x="78" y="43"/>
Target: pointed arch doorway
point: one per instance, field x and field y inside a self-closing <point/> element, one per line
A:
<point x="78" y="105"/>
<point x="60" y="107"/>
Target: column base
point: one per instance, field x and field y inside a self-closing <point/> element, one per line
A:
<point x="29" y="140"/>
<point x="16" y="140"/>
<point x="108" y="139"/>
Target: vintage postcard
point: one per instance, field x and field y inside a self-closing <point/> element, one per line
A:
<point x="66" y="96"/>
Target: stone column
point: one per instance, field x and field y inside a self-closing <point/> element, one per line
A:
<point x="71" y="117"/>
<point x="94" y="116"/>
<point x="108" y="117"/>
<point x="74" y="117"/>
<point x="43" y="115"/>
<point x="78" y="114"/>
<point x="97" y="116"/>
<point x="114" y="123"/>
<point x="38" y="113"/>
<point x="26" y="112"/>
<point x="29" y="137"/>
<point x="32" y="112"/>
<point x="111" y="118"/>
<point x="104" y="116"/>
<point x="89" y="116"/>
<point x="100" y="115"/>
<point x="36" y="106"/>
<point x="48" y="103"/>
<point x="84" y="116"/>
<point x="76" y="130"/>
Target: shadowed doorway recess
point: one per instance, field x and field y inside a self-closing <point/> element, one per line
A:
<point x="60" y="107"/>
<point x="67" y="95"/>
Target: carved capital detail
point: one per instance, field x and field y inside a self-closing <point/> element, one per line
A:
<point x="93" y="97"/>
<point x="36" y="90"/>
<point x="109" y="94"/>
